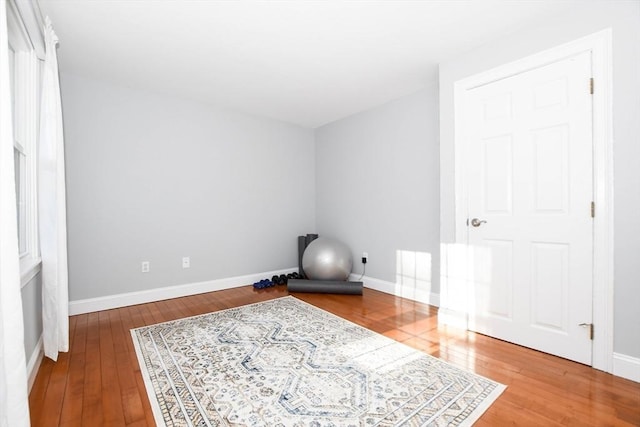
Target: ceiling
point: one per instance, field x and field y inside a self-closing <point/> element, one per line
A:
<point x="302" y="62"/>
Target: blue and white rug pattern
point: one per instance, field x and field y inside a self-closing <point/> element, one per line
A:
<point x="287" y="363"/>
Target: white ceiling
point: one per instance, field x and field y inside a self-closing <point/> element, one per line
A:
<point x="303" y="62"/>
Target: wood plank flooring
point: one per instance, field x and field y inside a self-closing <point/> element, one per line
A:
<point x="98" y="382"/>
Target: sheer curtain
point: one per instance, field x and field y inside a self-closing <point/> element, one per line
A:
<point x="52" y="206"/>
<point x="14" y="404"/>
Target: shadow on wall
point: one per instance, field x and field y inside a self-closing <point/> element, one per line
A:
<point x="413" y="275"/>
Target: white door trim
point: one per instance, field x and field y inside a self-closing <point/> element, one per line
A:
<point x="599" y="44"/>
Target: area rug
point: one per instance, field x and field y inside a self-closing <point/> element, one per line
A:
<point x="287" y="363"/>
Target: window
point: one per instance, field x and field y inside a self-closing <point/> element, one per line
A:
<point x="24" y="81"/>
<point x="19" y="157"/>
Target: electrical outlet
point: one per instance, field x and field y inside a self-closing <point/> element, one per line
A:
<point x="365" y="257"/>
<point x="186" y="262"/>
<point x="146" y="266"/>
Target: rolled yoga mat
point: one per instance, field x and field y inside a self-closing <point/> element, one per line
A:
<point x="325" y="286"/>
<point x="303" y="242"/>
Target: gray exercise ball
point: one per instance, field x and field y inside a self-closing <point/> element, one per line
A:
<point x="327" y="259"/>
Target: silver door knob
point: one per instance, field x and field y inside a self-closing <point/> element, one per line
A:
<point x="477" y="222"/>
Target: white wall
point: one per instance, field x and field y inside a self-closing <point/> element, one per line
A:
<point x="155" y="178"/>
<point x="377" y="183"/>
<point x="32" y="314"/>
<point x="624" y="19"/>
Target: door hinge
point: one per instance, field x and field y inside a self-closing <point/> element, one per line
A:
<point x="593" y="209"/>
<point x="591" y="85"/>
<point x="590" y="326"/>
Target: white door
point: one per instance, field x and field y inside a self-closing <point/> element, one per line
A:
<point x="529" y="158"/>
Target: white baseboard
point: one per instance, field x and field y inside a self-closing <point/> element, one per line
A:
<point x="34" y="362"/>
<point x="398" y="290"/>
<point x="626" y="367"/>
<point x="140" y="297"/>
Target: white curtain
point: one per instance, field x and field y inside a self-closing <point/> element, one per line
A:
<point x="52" y="206"/>
<point x="14" y="404"/>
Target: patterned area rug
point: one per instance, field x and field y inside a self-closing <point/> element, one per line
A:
<point x="287" y="363"/>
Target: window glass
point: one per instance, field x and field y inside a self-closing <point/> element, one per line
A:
<point x="19" y="161"/>
<point x="19" y="156"/>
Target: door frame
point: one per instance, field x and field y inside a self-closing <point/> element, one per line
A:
<point x="599" y="44"/>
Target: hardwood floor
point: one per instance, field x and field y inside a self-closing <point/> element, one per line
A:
<point x="98" y="382"/>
